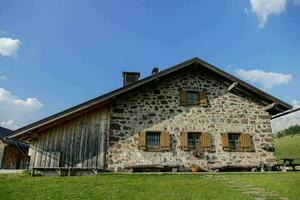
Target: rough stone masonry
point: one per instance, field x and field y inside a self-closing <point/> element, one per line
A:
<point x="156" y="107"/>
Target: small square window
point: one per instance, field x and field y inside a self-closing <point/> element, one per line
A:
<point x="191" y="98"/>
<point x="153" y="140"/>
<point x="193" y="141"/>
<point x="234" y="141"/>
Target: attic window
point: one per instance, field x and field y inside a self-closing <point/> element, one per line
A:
<point x="191" y="98"/>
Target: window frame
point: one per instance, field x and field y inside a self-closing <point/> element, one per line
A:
<point x="237" y="142"/>
<point x="187" y="97"/>
<point x="158" y="148"/>
<point x="197" y="144"/>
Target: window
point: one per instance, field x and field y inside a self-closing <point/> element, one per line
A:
<point x="191" y="98"/>
<point x="153" y="140"/>
<point x="193" y="141"/>
<point x="234" y="141"/>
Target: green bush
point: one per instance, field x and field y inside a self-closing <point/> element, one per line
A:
<point x="293" y="130"/>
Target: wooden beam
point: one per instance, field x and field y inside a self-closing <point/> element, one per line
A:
<point x="270" y="106"/>
<point x="285" y="113"/>
<point x="32" y="134"/>
<point x="232" y="86"/>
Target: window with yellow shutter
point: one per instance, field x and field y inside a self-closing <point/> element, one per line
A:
<point x="188" y="97"/>
<point x="199" y="141"/>
<point x="193" y="141"/>
<point x="234" y="141"/>
<point x="237" y="142"/>
<point x="154" y="141"/>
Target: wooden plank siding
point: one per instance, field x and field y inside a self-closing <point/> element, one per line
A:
<point x="77" y="143"/>
<point x="2" y="145"/>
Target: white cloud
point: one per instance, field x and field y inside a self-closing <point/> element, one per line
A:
<point x="9" y="46"/>
<point x="296" y="103"/>
<point x="2" y="76"/>
<point x="9" y="124"/>
<point x="16" y="111"/>
<point x="265" y="8"/>
<point x="297" y="2"/>
<point x="266" y="79"/>
<point x="30" y="102"/>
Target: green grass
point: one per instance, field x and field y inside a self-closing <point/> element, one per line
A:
<point x="141" y="186"/>
<point x="115" y="187"/>
<point x="288" y="147"/>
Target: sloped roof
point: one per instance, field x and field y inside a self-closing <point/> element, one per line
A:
<point x="4" y="132"/>
<point x="267" y="98"/>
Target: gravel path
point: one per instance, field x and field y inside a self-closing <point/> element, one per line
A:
<point x="255" y="192"/>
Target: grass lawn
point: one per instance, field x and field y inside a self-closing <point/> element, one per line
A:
<point x="149" y="186"/>
<point x="285" y="184"/>
<point x="288" y="147"/>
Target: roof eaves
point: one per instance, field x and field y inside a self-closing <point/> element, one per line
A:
<point x="121" y="90"/>
<point x="251" y="87"/>
<point x="99" y="99"/>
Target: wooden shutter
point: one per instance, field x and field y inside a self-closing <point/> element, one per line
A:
<point x="184" y="140"/>
<point x="205" y="142"/>
<point x="165" y="141"/>
<point x="182" y="96"/>
<point x="225" y="141"/>
<point x="142" y="140"/>
<point x="245" y="142"/>
<point x="202" y="99"/>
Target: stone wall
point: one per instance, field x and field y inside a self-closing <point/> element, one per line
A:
<point x="157" y="107"/>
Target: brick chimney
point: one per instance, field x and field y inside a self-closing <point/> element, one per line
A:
<point x="130" y="77"/>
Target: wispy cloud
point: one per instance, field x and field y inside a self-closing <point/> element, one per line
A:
<point x="266" y="79"/>
<point x="9" y="46"/>
<point x="15" y="110"/>
<point x="297" y="2"/>
<point x="263" y="9"/>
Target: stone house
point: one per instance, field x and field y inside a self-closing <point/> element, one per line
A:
<point x="191" y="113"/>
<point x="13" y="154"/>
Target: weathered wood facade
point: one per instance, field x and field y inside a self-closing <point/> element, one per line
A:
<point x="77" y="143"/>
<point x="2" y="146"/>
<point x="13" y="157"/>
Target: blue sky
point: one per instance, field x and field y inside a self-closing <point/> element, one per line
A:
<point x="56" y="54"/>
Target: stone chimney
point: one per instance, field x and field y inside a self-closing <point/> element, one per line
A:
<point x="130" y="77"/>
